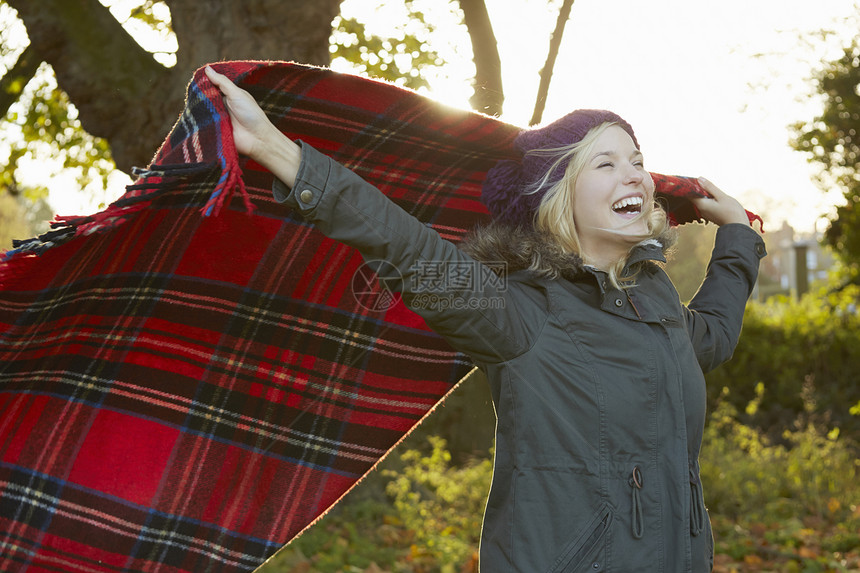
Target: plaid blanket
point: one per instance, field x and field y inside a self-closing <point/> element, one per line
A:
<point x="192" y="376"/>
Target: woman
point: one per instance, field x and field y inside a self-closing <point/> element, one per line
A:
<point x="595" y="367"/>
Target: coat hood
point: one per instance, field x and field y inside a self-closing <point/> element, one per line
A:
<point x="525" y="248"/>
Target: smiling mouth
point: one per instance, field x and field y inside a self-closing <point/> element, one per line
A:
<point x="628" y="206"/>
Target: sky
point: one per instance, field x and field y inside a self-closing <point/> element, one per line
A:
<point x="711" y="88"/>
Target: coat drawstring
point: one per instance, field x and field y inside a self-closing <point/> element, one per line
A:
<point x="697" y="506"/>
<point x="637" y="521"/>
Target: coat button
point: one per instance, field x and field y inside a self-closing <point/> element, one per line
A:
<point x="306" y="196"/>
<point x="619" y="303"/>
<point x="595" y="565"/>
<point x="759" y="250"/>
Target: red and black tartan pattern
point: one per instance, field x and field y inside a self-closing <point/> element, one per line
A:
<point x="183" y="392"/>
<point x="187" y="379"/>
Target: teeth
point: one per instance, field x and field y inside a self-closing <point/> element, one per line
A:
<point x="629" y="201"/>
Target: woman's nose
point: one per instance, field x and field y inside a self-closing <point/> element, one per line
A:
<point x="633" y="175"/>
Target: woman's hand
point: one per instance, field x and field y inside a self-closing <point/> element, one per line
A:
<point x="253" y="133"/>
<point x="720" y="208"/>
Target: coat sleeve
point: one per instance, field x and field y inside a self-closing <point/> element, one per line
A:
<point x="476" y="311"/>
<point x="715" y="315"/>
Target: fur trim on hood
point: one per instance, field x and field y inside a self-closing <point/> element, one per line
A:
<point x="522" y="248"/>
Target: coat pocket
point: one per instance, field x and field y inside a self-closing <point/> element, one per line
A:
<point x="584" y="549"/>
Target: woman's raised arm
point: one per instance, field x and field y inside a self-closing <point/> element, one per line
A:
<point x="715" y="315"/>
<point x="477" y="316"/>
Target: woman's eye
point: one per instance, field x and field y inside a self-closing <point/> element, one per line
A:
<point x="607" y="164"/>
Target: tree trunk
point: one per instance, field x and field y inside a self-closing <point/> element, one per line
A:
<point x="546" y="71"/>
<point x="296" y="30"/>
<point x="124" y="95"/>
<point x="489" y="93"/>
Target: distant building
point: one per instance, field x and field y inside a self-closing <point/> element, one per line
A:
<point x="795" y="262"/>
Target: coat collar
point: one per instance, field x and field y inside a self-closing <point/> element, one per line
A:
<point x="524" y="248"/>
<point x="650" y="250"/>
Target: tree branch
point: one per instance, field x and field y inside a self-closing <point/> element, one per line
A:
<point x="489" y="94"/>
<point x="102" y="69"/>
<point x="16" y="79"/>
<point x="546" y="71"/>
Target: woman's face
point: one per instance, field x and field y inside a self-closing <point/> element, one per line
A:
<point x="613" y="197"/>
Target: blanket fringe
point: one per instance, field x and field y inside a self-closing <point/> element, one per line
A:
<point x="231" y="172"/>
<point x="755" y="218"/>
<point x="231" y="179"/>
<point x="151" y="183"/>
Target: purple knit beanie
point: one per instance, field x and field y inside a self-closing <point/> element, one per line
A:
<point x="504" y="188"/>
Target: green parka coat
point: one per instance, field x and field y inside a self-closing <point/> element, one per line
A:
<point x="599" y="393"/>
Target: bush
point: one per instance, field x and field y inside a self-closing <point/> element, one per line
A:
<point x="791" y="506"/>
<point x="357" y="535"/>
<point x="442" y="504"/>
<point x="812" y="474"/>
<point x="805" y="353"/>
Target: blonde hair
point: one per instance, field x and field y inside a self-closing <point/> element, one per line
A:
<point x="555" y="218"/>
